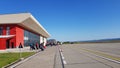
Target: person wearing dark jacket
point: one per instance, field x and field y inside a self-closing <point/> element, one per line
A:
<point x="32" y="46"/>
<point x="41" y="46"/>
<point x="36" y="45"/>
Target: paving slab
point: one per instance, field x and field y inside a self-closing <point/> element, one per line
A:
<point x="44" y="59"/>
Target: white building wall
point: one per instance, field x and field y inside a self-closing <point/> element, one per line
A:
<point x="42" y="39"/>
<point x="45" y="41"/>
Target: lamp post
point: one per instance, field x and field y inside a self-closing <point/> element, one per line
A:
<point x="20" y="53"/>
<point x="20" y="48"/>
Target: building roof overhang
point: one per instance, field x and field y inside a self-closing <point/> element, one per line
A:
<point x="25" y="20"/>
<point x="6" y="36"/>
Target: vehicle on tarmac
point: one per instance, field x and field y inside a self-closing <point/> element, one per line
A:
<point x="51" y="42"/>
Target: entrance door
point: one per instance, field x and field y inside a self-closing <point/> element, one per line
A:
<point x="12" y="44"/>
<point x="8" y="43"/>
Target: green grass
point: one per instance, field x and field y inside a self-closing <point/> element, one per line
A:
<point x="7" y="58"/>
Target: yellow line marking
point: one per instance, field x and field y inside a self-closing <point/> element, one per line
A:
<point x="102" y="54"/>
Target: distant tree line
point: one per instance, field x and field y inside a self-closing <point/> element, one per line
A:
<point x="68" y="42"/>
<point x="116" y="40"/>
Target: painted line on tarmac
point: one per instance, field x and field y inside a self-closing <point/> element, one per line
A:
<point x="103" y="55"/>
<point x="62" y="56"/>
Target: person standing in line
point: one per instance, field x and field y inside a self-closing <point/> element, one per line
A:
<point x="33" y="46"/>
<point x="36" y="45"/>
<point x="30" y="46"/>
<point x="41" y="46"/>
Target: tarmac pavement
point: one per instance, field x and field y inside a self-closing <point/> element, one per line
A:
<point x="44" y="59"/>
<point x="74" y="56"/>
<point x="77" y="57"/>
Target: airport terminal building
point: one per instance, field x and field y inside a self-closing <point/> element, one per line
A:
<point x="20" y="28"/>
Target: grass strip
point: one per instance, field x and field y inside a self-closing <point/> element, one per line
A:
<point x="7" y="58"/>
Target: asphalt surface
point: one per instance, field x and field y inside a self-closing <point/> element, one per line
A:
<point x="91" y="55"/>
<point x="49" y="58"/>
<point x="105" y="55"/>
<point x="112" y="48"/>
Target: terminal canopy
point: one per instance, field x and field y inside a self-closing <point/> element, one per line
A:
<point x="25" y="20"/>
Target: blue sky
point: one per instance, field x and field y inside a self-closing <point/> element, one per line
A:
<point x="71" y="20"/>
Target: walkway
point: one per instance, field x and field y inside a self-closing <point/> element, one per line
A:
<point x="43" y="59"/>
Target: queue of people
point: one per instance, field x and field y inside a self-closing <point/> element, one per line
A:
<point x="37" y="46"/>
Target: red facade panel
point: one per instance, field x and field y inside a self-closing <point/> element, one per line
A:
<point x="12" y="29"/>
<point x="19" y="35"/>
<point x="4" y="30"/>
<point x="16" y="39"/>
<point x="12" y="42"/>
<point x="2" y="43"/>
<point x="12" y="32"/>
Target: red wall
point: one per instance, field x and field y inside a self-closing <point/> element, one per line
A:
<point x="3" y="40"/>
<point x="12" y="32"/>
<point x="4" y="30"/>
<point x="19" y="35"/>
<point x="16" y="40"/>
<point x="2" y="43"/>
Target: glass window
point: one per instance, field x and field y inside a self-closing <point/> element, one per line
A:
<point x="30" y="37"/>
<point x="8" y="31"/>
<point x="1" y="30"/>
